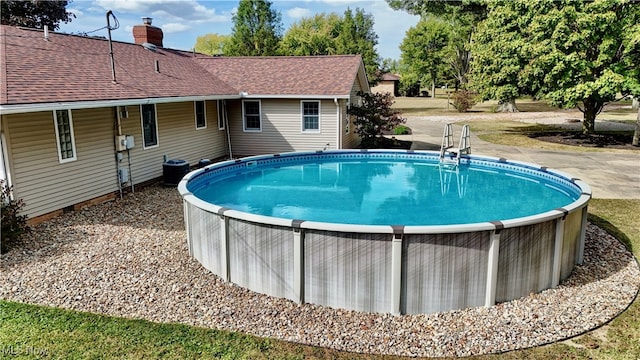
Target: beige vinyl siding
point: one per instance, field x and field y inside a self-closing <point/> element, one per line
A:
<point x="282" y="128"/>
<point x="47" y="185"/>
<point x="177" y="138"/>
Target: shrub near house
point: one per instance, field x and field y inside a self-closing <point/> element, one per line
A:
<point x="13" y="222"/>
<point x="374" y="117"/>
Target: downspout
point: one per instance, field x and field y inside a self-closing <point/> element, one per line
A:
<point x="118" y="155"/>
<point x="5" y="163"/>
<point x="339" y="128"/>
<point x="225" y="118"/>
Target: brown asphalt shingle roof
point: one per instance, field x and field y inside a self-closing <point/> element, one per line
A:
<point x="390" y="77"/>
<point x="71" y="68"/>
<point x="76" y="68"/>
<point x="286" y="75"/>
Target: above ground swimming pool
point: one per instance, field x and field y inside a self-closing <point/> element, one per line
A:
<point x="386" y="231"/>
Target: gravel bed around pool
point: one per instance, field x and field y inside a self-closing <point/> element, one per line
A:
<point x="129" y="258"/>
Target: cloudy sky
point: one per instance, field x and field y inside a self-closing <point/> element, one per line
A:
<point x="184" y="20"/>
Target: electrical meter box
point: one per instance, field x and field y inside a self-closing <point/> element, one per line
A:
<point x="124" y="142"/>
<point x="130" y="142"/>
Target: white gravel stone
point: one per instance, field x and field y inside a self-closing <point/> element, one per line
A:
<point x="129" y="258"/>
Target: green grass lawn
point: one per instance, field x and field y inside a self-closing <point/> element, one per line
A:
<point x="34" y="332"/>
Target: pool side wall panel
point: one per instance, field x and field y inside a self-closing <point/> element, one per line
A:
<point x="348" y="270"/>
<point x="261" y="258"/>
<point x="572" y="229"/>
<point x="444" y="271"/>
<point x="206" y="226"/>
<point x="525" y="261"/>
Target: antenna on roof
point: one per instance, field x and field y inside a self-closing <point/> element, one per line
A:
<point x="113" y="63"/>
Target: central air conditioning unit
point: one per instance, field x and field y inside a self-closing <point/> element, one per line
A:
<point x="173" y="171"/>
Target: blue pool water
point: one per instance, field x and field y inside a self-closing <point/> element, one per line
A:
<point x="384" y="192"/>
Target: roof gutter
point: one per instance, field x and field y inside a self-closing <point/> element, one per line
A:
<point x="27" y="108"/>
<point x="293" y="96"/>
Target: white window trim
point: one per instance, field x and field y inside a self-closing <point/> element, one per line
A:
<point x="144" y="145"/>
<point x="244" y="119"/>
<point x="195" y="114"/>
<point x="73" y="137"/>
<point x="219" y="110"/>
<point x="312" y="131"/>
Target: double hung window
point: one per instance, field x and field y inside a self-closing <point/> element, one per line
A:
<point x="251" y="115"/>
<point x="310" y="116"/>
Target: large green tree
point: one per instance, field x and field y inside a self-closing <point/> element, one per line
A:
<point x="35" y="13"/>
<point x="312" y="36"/>
<point x="498" y="58"/>
<point x="257" y="30"/>
<point x="212" y="44"/>
<point x="632" y="83"/>
<point x="332" y="34"/>
<point x="357" y="36"/>
<point x="474" y="10"/>
<point x="424" y="50"/>
<point x="389" y="65"/>
<point x="463" y="16"/>
<point x="579" y="53"/>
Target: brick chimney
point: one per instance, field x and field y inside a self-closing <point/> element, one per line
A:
<point x="146" y="33"/>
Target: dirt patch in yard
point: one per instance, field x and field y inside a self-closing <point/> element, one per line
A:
<point x="602" y="140"/>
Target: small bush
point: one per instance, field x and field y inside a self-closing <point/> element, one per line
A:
<point x="401" y="130"/>
<point x="463" y="100"/>
<point x="13" y="224"/>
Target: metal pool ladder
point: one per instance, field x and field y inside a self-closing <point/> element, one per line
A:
<point x="450" y="155"/>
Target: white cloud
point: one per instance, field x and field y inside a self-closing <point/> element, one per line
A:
<point x="297" y="13"/>
<point x="77" y="12"/>
<point x="177" y="10"/>
<point x="174" y="28"/>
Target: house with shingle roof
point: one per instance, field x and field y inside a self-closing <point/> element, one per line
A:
<point x="388" y="83"/>
<point x="80" y="126"/>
